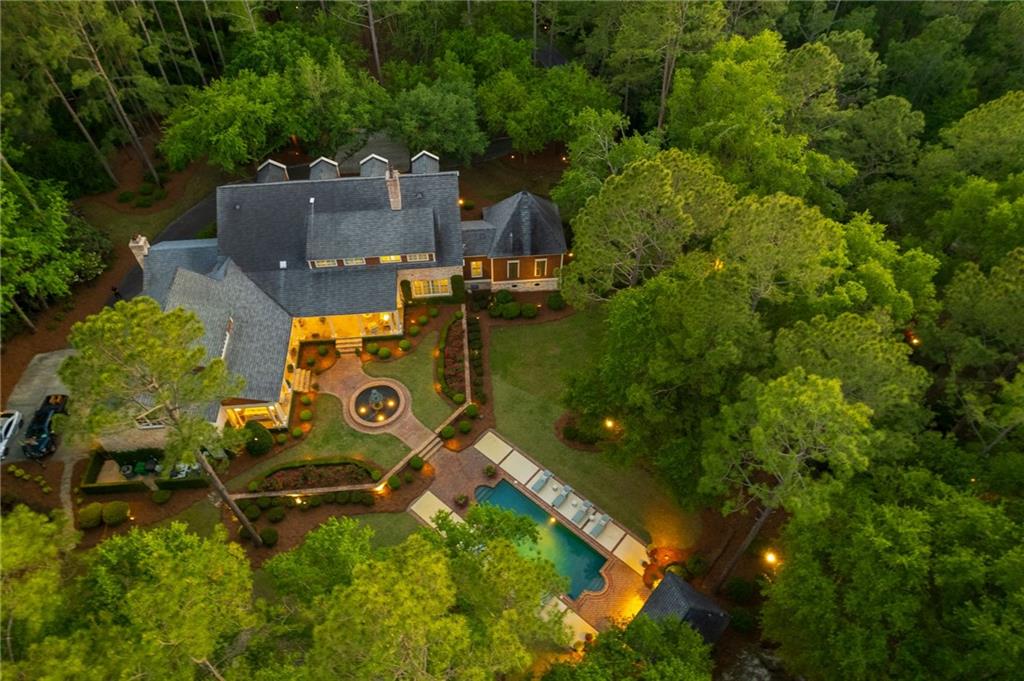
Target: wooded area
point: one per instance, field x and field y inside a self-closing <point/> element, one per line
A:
<point x="805" y="223"/>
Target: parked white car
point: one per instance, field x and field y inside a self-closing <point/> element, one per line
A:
<point x="10" y="423"/>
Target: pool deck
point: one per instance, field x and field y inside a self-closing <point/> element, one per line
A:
<point x="624" y="592"/>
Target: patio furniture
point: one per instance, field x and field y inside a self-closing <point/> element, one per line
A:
<point x="598" y="527"/>
<point x="582" y="513"/>
<point x="562" y="496"/>
<point x="541" y="480"/>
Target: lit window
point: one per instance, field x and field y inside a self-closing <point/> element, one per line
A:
<point x="476" y="269"/>
<point x="512" y="269"/>
<point x="430" y="287"/>
<point x="540" y="268"/>
<point x="325" y="263"/>
<point x="354" y="261"/>
<point x="419" y="257"/>
<point x="391" y="258"/>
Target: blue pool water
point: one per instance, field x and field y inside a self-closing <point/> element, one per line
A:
<point x="572" y="556"/>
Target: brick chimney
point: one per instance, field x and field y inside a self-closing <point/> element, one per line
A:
<point x="139" y="246"/>
<point x="525" y="223"/>
<point x="394" y="191"/>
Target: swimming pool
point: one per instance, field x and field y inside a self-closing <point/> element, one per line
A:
<point x="572" y="556"/>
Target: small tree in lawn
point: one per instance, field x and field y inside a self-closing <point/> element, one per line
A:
<point x="784" y="445"/>
<point x="133" y="358"/>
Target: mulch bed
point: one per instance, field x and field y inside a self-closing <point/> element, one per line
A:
<point x="28" y="492"/>
<point x="297" y="523"/>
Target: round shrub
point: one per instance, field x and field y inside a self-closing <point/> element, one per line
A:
<point x="161" y="496"/>
<point x="416" y="463"/>
<point x="458" y="314"/>
<point x="276" y="514"/>
<point x="306" y="415"/>
<point x="742" y="620"/>
<point x="268" y="535"/>
<point x="258" y="439"/>
<point x="90" y="516"/>
<point x="528" y="310"/>
<point x="306" y="400"/>
<point x="265" y="502"/>
<point x="459" y="398"/>
<point x="282" y="438"/>
<point x="511" y="310"/>
<point x="447" y="433"/>
<point x="405" y="344"/>
<point x="556" y="301"/>
<point x="252" y="512"/>
<point x="373" y="348"/>
<point x="384" y="353"/>
<point x="465" y="426"/>
<point x="115" y="513"/>
<point x="322" y="350"/>
<point x="394" y="482"/>
<point x="422" y="320"/>
<point x="472" y="411"/>
<point x="311" y="361"/>
<point x="740" y="590"/>
<point x="433" y="311"/>
<point x="504" y="296"/>
<point x="413" y="331"/>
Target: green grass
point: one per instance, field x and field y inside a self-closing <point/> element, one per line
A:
<point x="201" y="517"/>
<point x="122" y="226"/>
<point x="388" y="528"/>
<point x="416" y="372"/>
<point x="330" y="437"/>
<point x="529" y="365"/>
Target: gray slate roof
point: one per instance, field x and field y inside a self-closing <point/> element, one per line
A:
<point x="258" y="347"/>
<point x="347" y="290"/>
<point x="165" y="257"/>
<point x="367" y="233"/>
<point x="525" y="224"/>
<point x="676" y="598"/>
<point x="259" y="225"/>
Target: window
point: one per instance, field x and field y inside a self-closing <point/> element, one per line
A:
<point x="325" y="263"/>
<point x="540" y="268"/>
<point x="512" y="269"/>
<point x="419" y="257"/>
<point x="390" y="258"/>
<point x="476" y="269"/>
<point x="354" y="261"/>
<point x="430" y="287"/>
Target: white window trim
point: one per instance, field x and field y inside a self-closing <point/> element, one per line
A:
<point x="386" y="259"/>
<point x="508" y="270"/>
<point x="323" y="264"/>
<point x="419" y="257"/>
<point x="476" y="269"/>
<point x="349" y="262"/>
<point x="539" y="264"/>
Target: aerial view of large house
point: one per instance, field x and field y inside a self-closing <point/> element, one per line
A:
<point x="329" y="258"/>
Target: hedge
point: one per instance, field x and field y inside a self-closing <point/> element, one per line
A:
<point x="115" y="513"/>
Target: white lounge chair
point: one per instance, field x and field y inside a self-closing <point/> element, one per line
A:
<point x="598" y="527"/>
<point x="541" y="480"/>
<point x="581" y="513"/>
<point x="562" y="496"/>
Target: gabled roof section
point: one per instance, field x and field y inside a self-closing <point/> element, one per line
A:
<point x="166" y="257"/>
<point x="675" y="598"/>
<point x="368" y="233"/>
<point x="525" y="224"/>
<point x="260" y="329"/>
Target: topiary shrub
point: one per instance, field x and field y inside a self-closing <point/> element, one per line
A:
<point x="465" y="426"/>
<point x="528" y="310"/>
<point x="416" y="463"/>
<point x="276" y="514"/>
<point x="268" y="535"/>
<point x="373" y="348"/>
<point x="472" y="411"/>
<point x="282" y="438"/>
<point x="490" y="471"/>
<point x="413" y="331"/>
<point x="556" y="301"/>
<point x="394" y="482"/>
<point x="306" y="400"/>
<point x="161" y="496"/>
<point x="115" y="513"/>
<point x="503" y="296"/>
<point x="742" y="620"/>
<point x="511" y="310"/>
<point x="740" y="590"/>
<point x="258" y="439"/>
<point x="322" y="350"/>
<point x="90" y="516"/>
<point x="252" y="512"/>
<point x="433" y="311"/>
<point x="384" y="353"/>
<point x="306" y="415"/>
<point x="405" y="344"/>
<point x="459" y="398"/>
<point x="125" y="197"/>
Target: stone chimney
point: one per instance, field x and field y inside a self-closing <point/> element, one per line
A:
<point x="525" y="223"/>
<point x="139" y="246"/>
<point x="424" y="163"/>
<point x="394" y="191"/>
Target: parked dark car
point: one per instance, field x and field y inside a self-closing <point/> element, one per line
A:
<point x="40" y="440"/>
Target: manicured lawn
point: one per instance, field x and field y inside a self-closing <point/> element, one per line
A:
<point x="416" y="372"/>
<point x="330" y="436"/>
<point x="388" y="528"/>
<point x="529" y="364"/>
